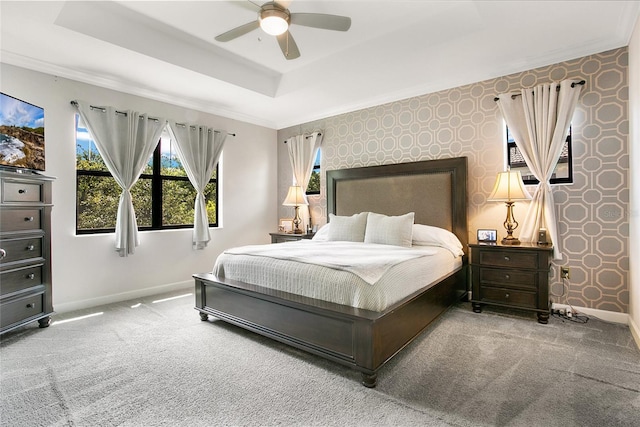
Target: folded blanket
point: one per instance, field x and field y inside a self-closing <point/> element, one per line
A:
<point x="367" y="260"/>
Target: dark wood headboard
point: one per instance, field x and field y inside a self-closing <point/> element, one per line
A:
<point x="436" y="190"/>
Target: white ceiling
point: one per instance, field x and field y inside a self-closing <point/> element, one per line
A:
<point x="165" y="50"/>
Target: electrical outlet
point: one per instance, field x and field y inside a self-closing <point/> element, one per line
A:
<point x="564" y="273"/>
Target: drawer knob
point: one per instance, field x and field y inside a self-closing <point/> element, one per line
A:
<point x="28" y="219"/>
<point x="506" y="276"/>
<point x="22" y="191"/>
<point x="31" y="276"/>
<point x="30" y="247"/>
<point x="3" y="253"/>
<point x="31" y="305"/>
<point x="506" y="296"/>
<point x="506" y="258"/>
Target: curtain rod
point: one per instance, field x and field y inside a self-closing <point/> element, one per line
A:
<point x="215" y="131"/>
<point x="581" y="83"/>
<point x="124" y="113"/>
<point x="307" y="137"/>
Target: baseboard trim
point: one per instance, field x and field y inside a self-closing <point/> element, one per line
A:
<point x="635" y="331"/>
<point x="123" y="296"/>
<point x="608" y="316"/>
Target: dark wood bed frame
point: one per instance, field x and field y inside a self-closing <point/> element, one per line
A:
<point x="355" y="337"/>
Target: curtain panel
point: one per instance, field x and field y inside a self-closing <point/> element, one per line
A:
<point x="125" y="140"/>
<point x="199" y="149"/>
<point x="302" y="153"/>
<point x="539" y="119"/>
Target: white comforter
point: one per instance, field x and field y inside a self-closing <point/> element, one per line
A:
<point x="336" y="284"/>
<point x="366" y="260"/>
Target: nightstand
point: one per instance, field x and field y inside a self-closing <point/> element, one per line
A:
<point x="288" y="237"/>
<point x="511" y="276"/>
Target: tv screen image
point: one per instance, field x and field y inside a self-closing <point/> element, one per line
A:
<point x="21" y="134"/>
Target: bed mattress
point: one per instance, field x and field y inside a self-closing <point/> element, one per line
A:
<point x="337" y="285"/>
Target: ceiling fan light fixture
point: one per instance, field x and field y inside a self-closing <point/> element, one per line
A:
<point x="274" y="21"/>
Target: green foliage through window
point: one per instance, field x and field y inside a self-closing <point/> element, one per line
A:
<point x="162" y="197"/>
<point x="314" y="181"/>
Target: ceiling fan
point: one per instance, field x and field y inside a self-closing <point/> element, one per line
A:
<point x="274" y="18"/>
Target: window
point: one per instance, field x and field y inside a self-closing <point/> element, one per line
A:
<point x="314" y="181"/>
<point x="163" y="197"/>
<point x="563" y="174"/>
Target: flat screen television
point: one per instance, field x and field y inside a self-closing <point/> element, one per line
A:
<point x="21" y="134"/>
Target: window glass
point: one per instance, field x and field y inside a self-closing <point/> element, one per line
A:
<point x="314" y="181"/>
<point x="163" y="196"/>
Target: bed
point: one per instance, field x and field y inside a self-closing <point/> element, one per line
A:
<point x="363" y="338"/>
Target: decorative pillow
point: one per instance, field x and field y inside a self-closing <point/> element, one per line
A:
<point x="322" y="234"/>
<point x="427" y="235"/>
<point x="347" y="228"/>
<point x="389" y="230"/>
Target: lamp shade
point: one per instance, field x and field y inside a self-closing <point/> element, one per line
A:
<point x="508" y="187"/>
<point x="295" y="197"/>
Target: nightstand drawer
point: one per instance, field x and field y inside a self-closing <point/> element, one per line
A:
<point x="511" y="259"/>
<point x="21" y="309"/>
<point x="508" y="297"/>
<point x="23" y="278"/>
<point x="508" y="278"/>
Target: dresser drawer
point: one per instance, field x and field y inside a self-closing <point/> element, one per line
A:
<point x="21" y="219"/>
<point x="14" y="191"/>
<point x="19" y="279"/>
<point x="21" y="249"/>
<point x="509" y="278"/>
<point x="508" y="297"/>
<point x="20" y="309"/>
<point x="510" y="259"/>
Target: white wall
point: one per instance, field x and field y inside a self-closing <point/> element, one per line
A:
<point x="634" y="182"/>
<point x="86" y="269"/>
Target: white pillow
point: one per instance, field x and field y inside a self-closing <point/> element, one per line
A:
<point x="427" y="235"/>
<point x="322" y="235"/>
<point x="347" y="228"/>
<point x="389" y="230"/>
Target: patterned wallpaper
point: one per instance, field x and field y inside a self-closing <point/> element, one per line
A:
<point x="465" y="121"/>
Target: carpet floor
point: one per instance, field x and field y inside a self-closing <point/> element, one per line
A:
<point x="153" y="362"/>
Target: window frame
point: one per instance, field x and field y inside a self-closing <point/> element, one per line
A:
<point x="157" y="180"/>
<point x="316" y="169"/>
<point x="533" y="181"/>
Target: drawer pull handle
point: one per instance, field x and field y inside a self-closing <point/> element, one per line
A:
<point x="3" y="253"/>
<point x="31" y="305"/>
<point x="30" y="247"/>
<point x="31" y="276"/>
<point x="22" y="191"/>
<point x="506" y="258"/>
<point x="28" y="219"/>
<point x="506" y="276"/>
<point x="506" y="296"/>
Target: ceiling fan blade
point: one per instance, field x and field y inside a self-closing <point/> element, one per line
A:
<point x="288" y="45"/>
<point x="321" y="20"/>
<point x="238" y="31"/>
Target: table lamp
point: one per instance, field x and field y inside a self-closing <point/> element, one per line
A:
<point x="295" y="197"/>
<point x="508" y="189"/>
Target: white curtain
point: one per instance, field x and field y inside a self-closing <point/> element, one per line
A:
<point x="125" y="140"/>
<point x="199" y="149"/>
<point x="539" y="120"/>
<point x="302" y="153"/>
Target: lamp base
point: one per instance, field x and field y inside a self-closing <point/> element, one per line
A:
<point x="510" y="240"/>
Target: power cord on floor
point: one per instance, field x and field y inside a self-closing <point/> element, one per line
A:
<point x="571" y="315"/>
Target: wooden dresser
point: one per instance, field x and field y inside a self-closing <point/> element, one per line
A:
<point x="511" y="276"/>
<point x="25" y="249"/>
